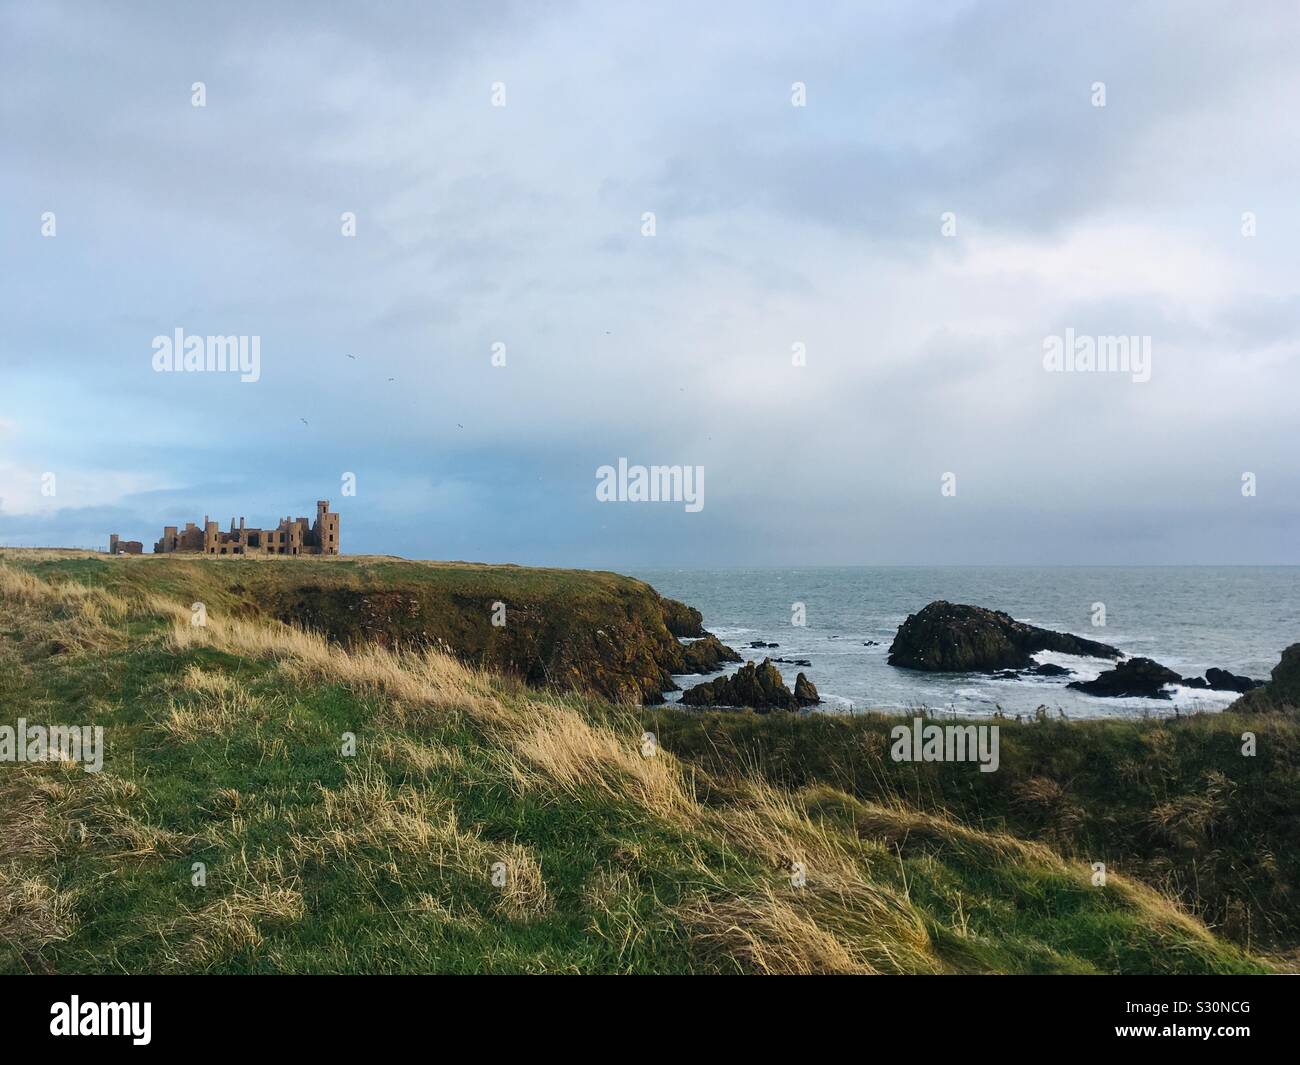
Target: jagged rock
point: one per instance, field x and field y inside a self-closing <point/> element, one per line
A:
<point x="1223" y="681"/>
<point x="805" y="691"/>
<point x="1136" y="677"/>
<point x="954" y="638"/>
<point x="682" y="620"/>
<point x="706" y="655"/>
<point x="1279" y="694"/>
<point x="758" y="686"/>
<point x="1196" y="682"/>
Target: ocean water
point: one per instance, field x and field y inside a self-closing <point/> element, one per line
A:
<point x="1238" y="618"/>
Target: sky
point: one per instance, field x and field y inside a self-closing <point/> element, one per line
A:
<point x="868" y="219"/>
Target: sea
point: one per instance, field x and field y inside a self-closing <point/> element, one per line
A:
<point x="1188" y="618"/>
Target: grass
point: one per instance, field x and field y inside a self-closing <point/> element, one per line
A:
<point x="1170" y="801"/>
<point x="480" y="826"/>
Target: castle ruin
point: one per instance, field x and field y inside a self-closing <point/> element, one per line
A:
<point x="293" y="536"/>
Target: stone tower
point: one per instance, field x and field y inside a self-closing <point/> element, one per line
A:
<point x="326" y="529"/>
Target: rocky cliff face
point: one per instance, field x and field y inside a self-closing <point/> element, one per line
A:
<point x="704" y="656"/>
<point x="1281" y="693"/>
<point x="954" y="638"/>
<point x="613" y="637"/>
<point x="683" y="620"/>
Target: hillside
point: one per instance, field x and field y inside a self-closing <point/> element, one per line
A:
<point x="578" y="630"/>
<point x="481" y="825"/>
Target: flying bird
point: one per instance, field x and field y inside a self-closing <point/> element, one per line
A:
<point x="303" y="420"/>
<point x="351" y="356"/>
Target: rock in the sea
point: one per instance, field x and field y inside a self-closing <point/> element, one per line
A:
<point x="1141" y="677"/>
<point x="954" y="638"/>
<point x="1281" y="693"/>
<point x="682" y="620"/>
<point x="1195" y="682"/>
<point x="705" y="655"/>
<point x="1223" y="681"/>
<point x="792" y="662"/>
<point x="805" y="691"/>
<point x="760" y="643"/>
<point x="1051" y="669"/>
<point x="758" y="686"/>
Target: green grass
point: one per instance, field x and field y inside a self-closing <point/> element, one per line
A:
<point x="224" y="747"/>
<point x="1173" y="802"/>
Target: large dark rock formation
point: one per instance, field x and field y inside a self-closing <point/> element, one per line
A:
<point x="1051" y="669"/>
<point x="758" y="686"/>
<point x="953" y="638"/>
<point x="682" y="620"/>
<point x="1281" y="693"/>
<point x="1136" y="677"/>
<point x="1223" y="681"/>
<point x="705" y="656"/>
<point x="805" y="691"/>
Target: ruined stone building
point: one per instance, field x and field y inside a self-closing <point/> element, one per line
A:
<point x="293" y="536"/>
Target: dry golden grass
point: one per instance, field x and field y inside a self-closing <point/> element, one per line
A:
<point x="72" y="617"/>
<point x="414" y="682"/>
<point x="33" y="912"/>
<point x="53" y="809"/>
<point x="414" y="756"/>
<point x="216" y="704"/>
<point x="553" y="746"/>
<point x="368" y="824"/>
<point x="19" y="586"/>
<point x="550" y="741"/>
<point x="812" y="930"/>
<point x="230" y="924"/>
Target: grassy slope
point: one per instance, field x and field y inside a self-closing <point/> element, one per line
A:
<point x="1172" y="802"/>
<point x="224" y="747"/>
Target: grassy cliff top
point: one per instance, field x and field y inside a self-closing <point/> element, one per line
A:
<point x="578" y="630"/>
<point x="186" y="573"/>
<point x="480" y="825"/>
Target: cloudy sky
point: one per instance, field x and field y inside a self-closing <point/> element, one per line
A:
<point x="775" y="225"/>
